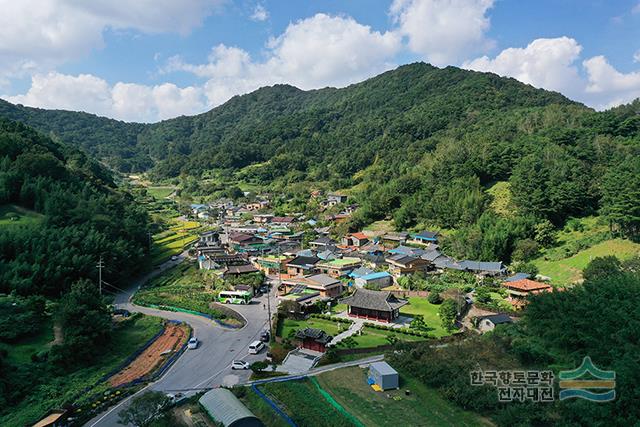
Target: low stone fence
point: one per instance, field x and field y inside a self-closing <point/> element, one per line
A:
<point x="408" y="294"/>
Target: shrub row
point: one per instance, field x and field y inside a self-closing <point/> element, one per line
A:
<point x="331" y="317"/>
<point x="405" y="331"/>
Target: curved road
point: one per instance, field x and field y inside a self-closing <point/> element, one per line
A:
<point x="209" y="364"/>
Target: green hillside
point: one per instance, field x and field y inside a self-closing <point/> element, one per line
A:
<point x="59" y="212"/>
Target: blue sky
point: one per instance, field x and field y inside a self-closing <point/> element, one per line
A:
<point x="149" y="60"/>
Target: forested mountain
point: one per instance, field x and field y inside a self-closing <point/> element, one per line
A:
<point x="390" y="111"/>
<point x="418" y="144"/>
<point x="76" y="215"/>
<point x="111" y="141"/>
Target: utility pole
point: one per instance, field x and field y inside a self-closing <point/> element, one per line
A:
<point x="269" y="295"/>
<point x="100" y="266"/>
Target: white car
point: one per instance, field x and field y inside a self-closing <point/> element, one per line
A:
<point x="256" y="347"/>
<point x="193" y="343"/>
<point x="239" y="364"/>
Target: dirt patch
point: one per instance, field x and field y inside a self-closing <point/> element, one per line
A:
<point x="166" y="344"/>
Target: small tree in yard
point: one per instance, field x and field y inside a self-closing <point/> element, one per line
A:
<point x="258" y="366"/>
<point x="419" y="324"/>
<point x="448" y="312"/>
<point x="434" y="298"/>
<point x="144" y="409"/>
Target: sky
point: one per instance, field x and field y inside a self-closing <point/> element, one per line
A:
<point x="150" y="60"/>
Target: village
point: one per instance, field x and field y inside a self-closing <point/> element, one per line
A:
<point x="340" y="296"/>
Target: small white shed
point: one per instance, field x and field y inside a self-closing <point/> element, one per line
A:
<point x="382" y="374"/>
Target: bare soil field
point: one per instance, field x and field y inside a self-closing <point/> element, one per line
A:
<point x="171" y="340"/>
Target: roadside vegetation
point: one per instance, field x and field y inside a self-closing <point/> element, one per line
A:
<point x="38" y="374"/>
<point x="183" y="287"/>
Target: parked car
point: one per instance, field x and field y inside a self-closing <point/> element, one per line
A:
<point x="264" y="289"/>
<point x="175" y="398"/>
<point x="193" y="343"/>
<point x="256" y="347"/>
<point x="239" y="364"/>
<point x="174" y="258"/>
<point x="264" y="336"/>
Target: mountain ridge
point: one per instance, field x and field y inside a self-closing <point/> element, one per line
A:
<point x="135" y="147"/>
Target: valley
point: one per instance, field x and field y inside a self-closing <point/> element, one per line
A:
<point x="434" y="219"/>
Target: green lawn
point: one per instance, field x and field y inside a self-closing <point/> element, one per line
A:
<point x="54" y="391"/>
<point x="423" y="406"/>
<point x="419" y="305"/>
<point x="569" y="270"/>
<point x="160" y="192"/>
<point x="338" y="308"/>
<point x="330" y="327"/>
<point x="20" y="352"/>
<point x="380" y="227"/>
<point x="371" y="337"/>
<point x="12" y="215"/>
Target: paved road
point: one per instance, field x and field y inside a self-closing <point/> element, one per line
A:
<point x="209" y="364"/>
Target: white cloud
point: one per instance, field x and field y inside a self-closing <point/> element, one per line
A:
<point x="126" y="101"/>
<point x="37" y="35"/>
<point x="443" y="32"/>
<point x="636" y="8"/>
<point x="609" y="87"/>
<point x="553" y="64"/>
<point x="545" y="63"/>
<point x="315" y="52"/>
<point x="260" y="13"/>
<point x="636" y="56"/>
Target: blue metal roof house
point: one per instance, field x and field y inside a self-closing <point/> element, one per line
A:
<point x="377" y="280"/>
<point x="426" y="237"/>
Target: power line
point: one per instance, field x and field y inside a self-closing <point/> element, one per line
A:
<point x="104" y="282"/>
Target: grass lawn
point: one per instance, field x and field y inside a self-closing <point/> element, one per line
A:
<point x="423" y="406"/>
<point x="372" y="337"/>
<point x="330" y="327"/>
<point x="160" y="192"/>
<point x="304" y="403"/>
<point x="12" y="215"/>
<point x="380" y="227"/>
<point x="20" y="352"/>
<point x="183" y="286"/>
<point x="569" y="270"/>
<point x="54" y="391"/>
<point x="338" y="308"/>
<point x="418" y="305"/>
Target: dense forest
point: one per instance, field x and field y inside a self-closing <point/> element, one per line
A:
<point x="419" y="145"/>
<point x="79" y="215"/>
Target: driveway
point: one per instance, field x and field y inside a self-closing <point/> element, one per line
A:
<point x="209" y="364"/>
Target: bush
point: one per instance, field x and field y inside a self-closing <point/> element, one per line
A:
<point x="435" y="298"/>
